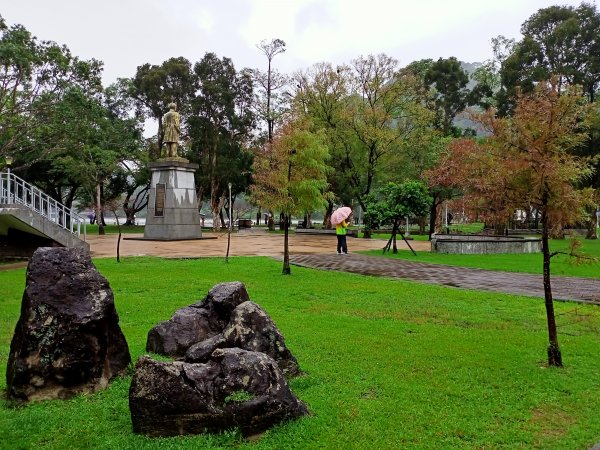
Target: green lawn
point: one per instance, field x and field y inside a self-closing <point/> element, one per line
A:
<point x="389" y="364"/>
<point x="529" y="263"/>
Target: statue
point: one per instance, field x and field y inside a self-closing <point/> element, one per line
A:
<point x="172" y="129"/>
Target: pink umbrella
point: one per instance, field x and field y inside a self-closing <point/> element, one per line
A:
<point x="340" y="214"/>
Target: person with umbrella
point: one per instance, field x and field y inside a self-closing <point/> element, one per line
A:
<point x="341" y="219"/>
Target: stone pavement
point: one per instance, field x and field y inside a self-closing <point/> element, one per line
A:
<point x="246" y="242"/>
<point x="563" y="288"/>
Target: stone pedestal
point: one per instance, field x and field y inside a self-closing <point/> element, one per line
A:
<point x="172" y="204"/>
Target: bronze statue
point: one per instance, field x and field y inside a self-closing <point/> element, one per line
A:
<point x="172" y="129"/>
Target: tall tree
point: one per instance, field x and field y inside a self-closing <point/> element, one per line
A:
<point x="269" y="102"/>
<point x="529" y="160"/>
<point x="155" y="86"/>
<point x="220" y="129"/>
<point x="291" y="175"/>
<point x="321" y="93"/>
<point x="450" y="93"/>
<point x="34" y="77"/>
<point x="559" y="41"/>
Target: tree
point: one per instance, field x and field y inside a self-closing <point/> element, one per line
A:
<point x="34" y="77"/>
<point x="154" y="87"/>
<point x="268" y="102"/>
<point x="321" y="94"/>
<point x="529" y="160"/>
<point x="558" y="41"/>
<point x="443" y="89"/>
<point x="220" y="129"/>
<point x="450" y="93"/>
<point x="561" y="42"/>
<point x="393" y="203"/>
<point x="290" y="176"/>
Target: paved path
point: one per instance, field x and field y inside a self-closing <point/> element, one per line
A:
<point x="563" y="288"/>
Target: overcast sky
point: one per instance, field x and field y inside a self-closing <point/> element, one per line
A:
<point x="127" y="33"/>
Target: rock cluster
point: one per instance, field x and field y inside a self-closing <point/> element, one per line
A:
<point x="67" y="340"/>
<point x="225" y="318"/>
<point x="232" y="373"/>
<point x="234" y="388"/>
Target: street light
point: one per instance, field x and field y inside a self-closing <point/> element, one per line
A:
<point x="230" y="224"/>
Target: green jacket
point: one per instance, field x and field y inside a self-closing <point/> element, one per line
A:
<point x="341" y="228"/>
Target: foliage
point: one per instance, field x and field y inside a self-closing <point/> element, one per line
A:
<point x="394" y="202"/>
<point x="528" y="164"/>
<point x="219" y="129"/>
<point x="448" y="82"/>
<point x="370" y="114"/>
<point x="33" y="77"/>
<point x="155" y="86"/>
<point x="559" y="41"/>
<point x="290" y="175"/>
<point x="239" y="397"/>
<point x="387" y="363"/>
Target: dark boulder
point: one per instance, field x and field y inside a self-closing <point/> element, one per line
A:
<point x="249" y="328"/>
<point x="67" y="339"/>
<point x="233" y="388"/>
<point x="196" y="322"/>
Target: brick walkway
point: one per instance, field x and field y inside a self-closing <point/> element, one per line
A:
<point x="584" y="290"/>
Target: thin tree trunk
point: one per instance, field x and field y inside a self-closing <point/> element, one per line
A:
<point x="554" y="355"/>
<point x="99" y="219"/>
<point x="432" y="216"/>
<point x="286" y="248"/>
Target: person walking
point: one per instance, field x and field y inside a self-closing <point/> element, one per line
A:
<point x="340" y="232"/>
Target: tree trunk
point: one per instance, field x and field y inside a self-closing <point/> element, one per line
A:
<point x="554" y="355"/>
<point x="216" y="206"/>
<point x="286" y="248"/>
<point x="271" y="222"/>
<point x="591" y="225"/>
<point x="433" y="215"/>
<point x="394" y="233"/>
<point x="99" y="219"/>
<point x="327" y="218"/>
<point x="282" y="217"/>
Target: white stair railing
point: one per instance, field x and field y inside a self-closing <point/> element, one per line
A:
<point x="15" y="190"/>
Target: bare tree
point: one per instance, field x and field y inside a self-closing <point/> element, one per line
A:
<point x="270" y="82"/>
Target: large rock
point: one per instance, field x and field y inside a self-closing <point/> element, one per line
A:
<point x="196" y="322"/>
<point x="67" y="339"/>
<point x="249" y="328"/>
<point x="234" y="388"/>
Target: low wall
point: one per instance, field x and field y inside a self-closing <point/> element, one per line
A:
<point x="482" y="244"/>
<point x="349" y="233"/>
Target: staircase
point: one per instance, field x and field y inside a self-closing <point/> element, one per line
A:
<point x="28" y="216"/>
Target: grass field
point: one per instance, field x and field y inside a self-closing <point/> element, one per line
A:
<point x="529" y="263"/>
<point x="389" y="364"/>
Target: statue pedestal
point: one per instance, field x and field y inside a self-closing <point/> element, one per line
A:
<point x="172" y="203"/>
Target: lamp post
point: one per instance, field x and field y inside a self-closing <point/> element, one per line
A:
<point x="9" y="161"/>
<point x="230" y="224"/>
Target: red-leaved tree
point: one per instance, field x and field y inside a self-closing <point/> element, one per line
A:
<point x="528" y="163"/>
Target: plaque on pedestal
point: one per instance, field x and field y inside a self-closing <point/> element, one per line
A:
<point x="172" y="203"/>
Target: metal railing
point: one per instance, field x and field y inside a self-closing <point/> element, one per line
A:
<point x="15" y="190"/>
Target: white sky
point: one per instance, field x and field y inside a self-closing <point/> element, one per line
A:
<point x="128" y="33"/>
